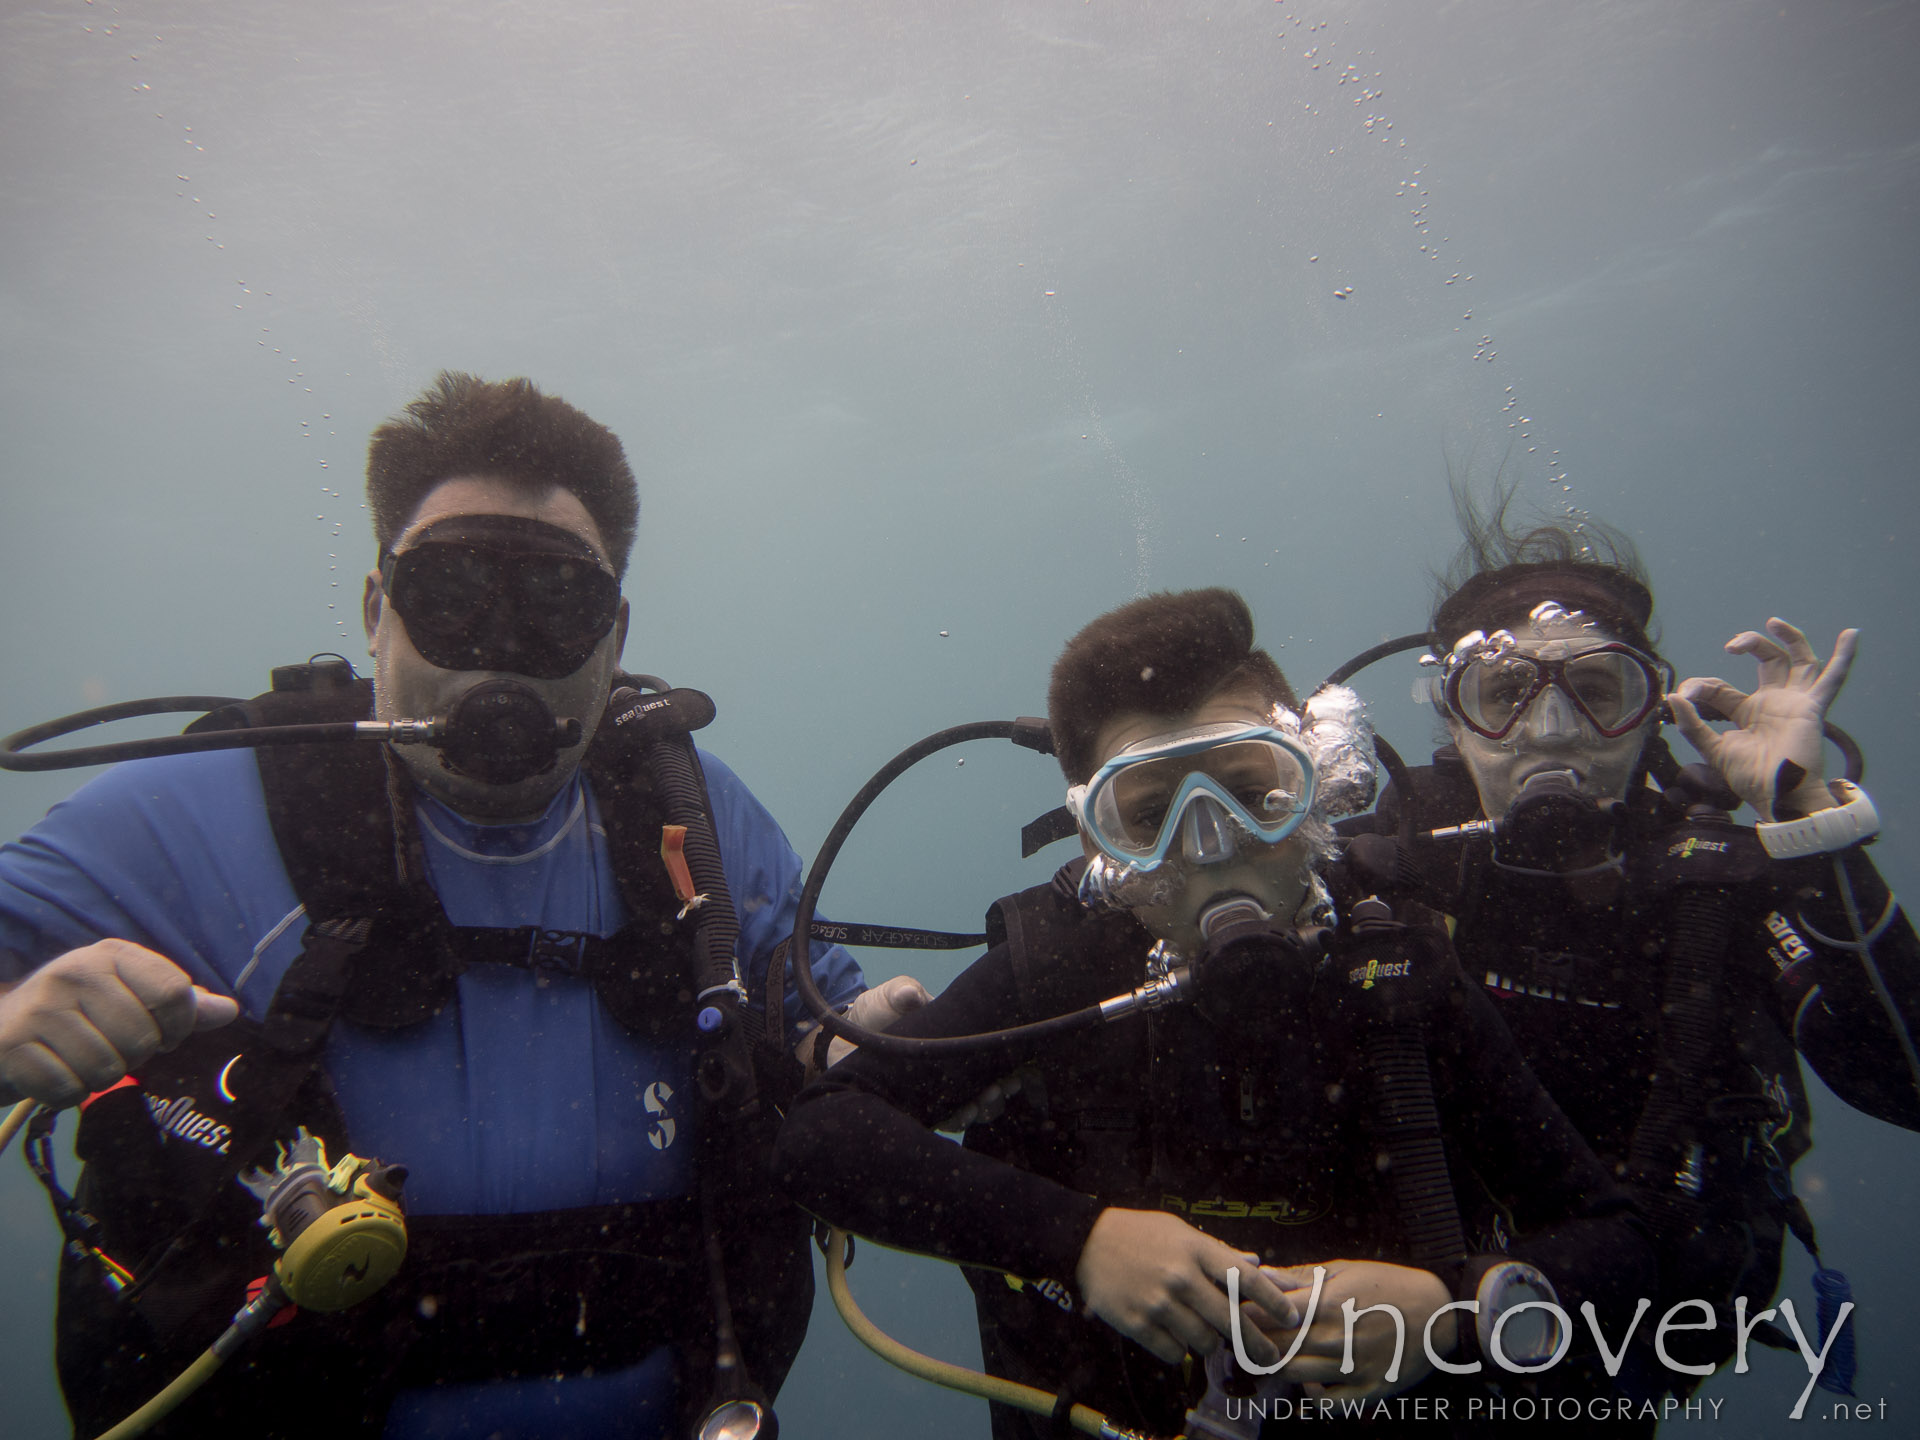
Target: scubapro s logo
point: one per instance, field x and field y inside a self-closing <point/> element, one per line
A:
<point x="660" y="1133"/>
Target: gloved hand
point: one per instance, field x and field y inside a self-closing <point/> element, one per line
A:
<point x="1162" y="1284"/>
<point x="876" y="1008"/>
<point x="1774" y="757"/>
<point x="82" y="1021"/>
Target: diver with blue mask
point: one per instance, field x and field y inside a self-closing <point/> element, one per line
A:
<point x="1336" y="1094"/>
<point x="1661" y="967"/>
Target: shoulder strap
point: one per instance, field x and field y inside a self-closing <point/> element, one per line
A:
<point x="333" y="821"/>
<point x="318" y="794"/>
<point x="1057" y="946"/>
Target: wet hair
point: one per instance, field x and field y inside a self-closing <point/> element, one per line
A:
<point x="1503" y="569"/>
<point x="506" y="430"/>
<point x="1164" y="654"/>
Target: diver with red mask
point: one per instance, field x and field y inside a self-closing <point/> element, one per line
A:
<point x="1661" y="966"/>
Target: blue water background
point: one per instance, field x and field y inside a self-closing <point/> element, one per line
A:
<point x="932" y="332"/>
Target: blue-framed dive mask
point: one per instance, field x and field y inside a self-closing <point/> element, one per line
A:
<point x="1196" y="790"/>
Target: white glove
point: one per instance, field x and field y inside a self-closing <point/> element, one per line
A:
<point x="873" y="1009"/>
<point x="1773" y="758"/>
<point x="80" y="1022"/>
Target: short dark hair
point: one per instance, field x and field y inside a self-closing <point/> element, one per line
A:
<point x="1164" y="654"/>
<point x="509" y="430"/>
<point x="1504" y="568"/>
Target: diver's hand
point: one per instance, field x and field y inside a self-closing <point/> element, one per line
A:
<point x="987" y="1106"/>
<point x="80" y="1022"/>
<point x="1774" y="757"/>
<point x="1416" y="1294"/>
<point x="877" y="1009"/>
<point x="1162" y="1283"/>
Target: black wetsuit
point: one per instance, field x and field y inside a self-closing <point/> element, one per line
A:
<point x="1579" y="972"/>
<point x="1258" y="1131"/>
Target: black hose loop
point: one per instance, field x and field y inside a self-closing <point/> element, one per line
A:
<point x="11" y="757"/>
<point x="800" y="950"/>
<point x="1367" y="657"/>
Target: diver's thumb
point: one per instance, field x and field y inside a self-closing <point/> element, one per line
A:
<point x="211" y="1011"/>
<point x="1687" y="720"/>
<point x="904" y="994"/>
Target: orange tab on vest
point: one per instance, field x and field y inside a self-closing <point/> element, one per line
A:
<point x="673" y="850"/>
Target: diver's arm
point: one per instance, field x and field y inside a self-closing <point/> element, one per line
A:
<point x="858" y="1149"/>
<point x="1847" y="986"/>
<point x="80" y="1022"/>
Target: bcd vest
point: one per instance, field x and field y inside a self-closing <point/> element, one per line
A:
<point x="1268" y="1141"/>
<point x="1640" y="1017"/>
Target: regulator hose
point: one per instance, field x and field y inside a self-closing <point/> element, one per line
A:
<point x="251" y="1320"/>
<point x="1083" y="1418"/>
<point x="169" y="1399"/>
<point x="1030" y="733"/>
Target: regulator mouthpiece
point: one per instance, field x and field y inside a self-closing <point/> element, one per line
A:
<point x="501" y="732"/>
<point x="1551" y="826"/>
<point x="1231" y="910"/>
<point x="1252" y="975"/>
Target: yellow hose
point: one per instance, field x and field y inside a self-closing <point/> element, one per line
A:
<point x="161" y="1405"/>
<point x="10" y="1127"/>
<point x="941" y="1372"/>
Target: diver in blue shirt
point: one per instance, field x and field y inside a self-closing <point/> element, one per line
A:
<point x="547" y="1109"/>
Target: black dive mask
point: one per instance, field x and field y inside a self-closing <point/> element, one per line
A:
<point x="501" y="732"/>
<point x="501" y="592"/>
<point x="1552" y="827"/>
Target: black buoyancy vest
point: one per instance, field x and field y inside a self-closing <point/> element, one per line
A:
<point x="479" y="1297"/>
<point x="1270" y="1143"/>
<point x="1175" y="1113"/>
<point x="1643" y="1021"/>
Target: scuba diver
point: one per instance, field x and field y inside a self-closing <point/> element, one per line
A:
<point x="1310" y="1118"/>
<point x="506" y="952"/>
<point x="1658" y="965"/>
